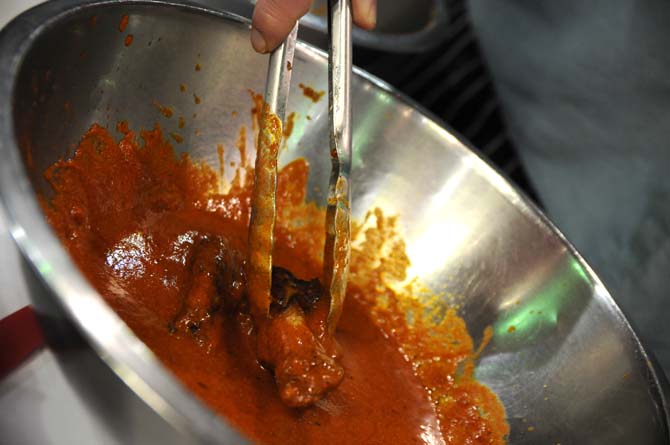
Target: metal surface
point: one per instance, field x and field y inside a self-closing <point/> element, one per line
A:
<point x="572" y="369"/>
<point x="338" y="215"/>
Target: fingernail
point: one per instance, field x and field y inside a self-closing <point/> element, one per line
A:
<point x="372" y="13"/>
<point x="258" y="41"/>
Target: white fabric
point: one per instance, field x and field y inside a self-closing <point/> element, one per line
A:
<point x="585" y="90"/>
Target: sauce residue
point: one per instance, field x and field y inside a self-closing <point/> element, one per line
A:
<point x="128" y="40"/>
<point x="164" y="110"/>
<point x="241" y="145"/>
<point x="123" y="24"/>
<point x="311" y="93"/>
<point x="140" y="222"/>
<point x="177" y="137"/>
<point x="261" y="226"/>
<point x="222" y="163"/>
<point x="289" y="125"/>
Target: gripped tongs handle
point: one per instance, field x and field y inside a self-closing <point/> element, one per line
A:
<point x="279" y="75"/>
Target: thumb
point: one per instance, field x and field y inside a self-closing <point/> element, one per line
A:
<point x="365" y="13"/>
<point x="273" y="20"/>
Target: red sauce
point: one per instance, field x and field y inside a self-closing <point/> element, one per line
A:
<point x="311" y="93"/>
<point x="288" y="126"/>
<point x="128" y="40"/>
<point x="132" y="217"/>
<point x="164" y="110"/>
<point x="123" y="24"/>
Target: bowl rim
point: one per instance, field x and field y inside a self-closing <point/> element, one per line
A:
<point x="132" y="361"/>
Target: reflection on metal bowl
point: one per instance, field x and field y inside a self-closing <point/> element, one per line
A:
<point x="573" y="372"/>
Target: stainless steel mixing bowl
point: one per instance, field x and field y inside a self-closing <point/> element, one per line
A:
<point x="573" y="371"/>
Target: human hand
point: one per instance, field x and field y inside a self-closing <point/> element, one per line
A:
<point x="274" y="19"/>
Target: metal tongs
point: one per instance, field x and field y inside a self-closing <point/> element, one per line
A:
<point x="338" y="228"/>
<point x="338" y="216"/>
<point x="264" y="195"/>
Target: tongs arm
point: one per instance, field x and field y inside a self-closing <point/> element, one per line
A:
<point x="263" y="200"/>
<point x="338" y="225"/>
